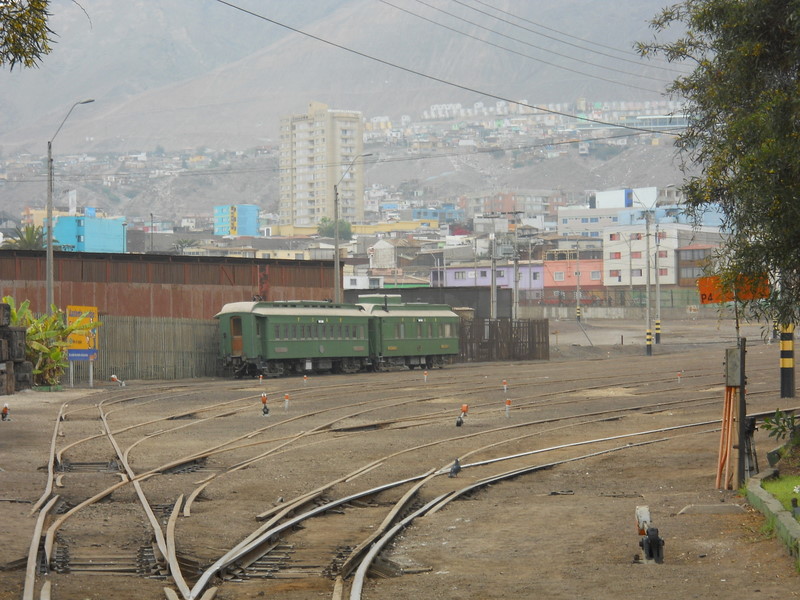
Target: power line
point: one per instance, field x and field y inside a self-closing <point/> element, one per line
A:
<point x="431" y="77"/>
<point x="562" y="33"/>
<point x="521" y="41"/>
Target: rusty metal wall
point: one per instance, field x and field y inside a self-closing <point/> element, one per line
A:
<point x="147" y="285"/>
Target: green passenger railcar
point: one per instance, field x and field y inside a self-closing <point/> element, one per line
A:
<point x="410" y="335"/>
<point x="276" y="338"/>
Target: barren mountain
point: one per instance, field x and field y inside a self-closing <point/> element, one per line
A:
<point x="186" y="73"/>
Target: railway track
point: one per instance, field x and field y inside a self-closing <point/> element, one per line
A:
<point x="231" y="465"/>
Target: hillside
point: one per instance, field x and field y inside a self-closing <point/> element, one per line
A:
<point x="188" y="74"/>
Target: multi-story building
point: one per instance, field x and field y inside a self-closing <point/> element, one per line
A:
<point x="319" y="155"/>
<point x="236" y="220"/>
<point x="670" y="245"/>
<point x="86" y="233"/>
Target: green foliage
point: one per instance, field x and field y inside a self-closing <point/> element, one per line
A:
<point x="742" y="107"/>
<point x="781" y="425"/>
<point x="782" y="488"/>
<point x="326" y="229"/>
<point x="24" y="34"/>
<point x="46" y="339"/>
<point x="29" y="237"/>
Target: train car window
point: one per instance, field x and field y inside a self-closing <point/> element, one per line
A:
<point x="430" y="330"/>
<point x="337" y="331"/>
<point x="293" y="332"/>
<point x="258" y="327"/>
<point x="361" y="332"/>
<point x="277" y="332"/>
<point x="308" y="332"/>
<point x="402" y="333"/>
<point x="346" y="331"/>
<point x="286" y="332"/>
<point x="236" y="326"/>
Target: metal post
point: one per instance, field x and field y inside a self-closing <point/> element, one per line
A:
<point x="337" y="292"/>
<point x="337" y="281"/>
<point x="49" y="250"/>
<point x="578" y="281"/>
<point x="658" y="291"/>
<point x="493" y="293"/>
<point x="648" y="338"/>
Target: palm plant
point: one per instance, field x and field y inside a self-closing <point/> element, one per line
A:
<point x="30" y="237"/>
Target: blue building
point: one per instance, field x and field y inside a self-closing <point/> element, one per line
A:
<point x="236" y="220"/>
<point x="445" y="214"/>
<point x="86" y="233"/>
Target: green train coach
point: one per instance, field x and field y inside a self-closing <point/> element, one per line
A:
<point x="379" y="333"/>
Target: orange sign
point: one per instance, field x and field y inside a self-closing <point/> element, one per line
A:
<point x="712" y="292"/>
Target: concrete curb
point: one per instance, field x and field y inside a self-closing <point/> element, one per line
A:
<point x="787" y="527"/>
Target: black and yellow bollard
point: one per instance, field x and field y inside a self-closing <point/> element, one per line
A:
<point x="649" y="342"/>
<point x="658" y="331"/>
<point x="787" y="361"/>
<point x="578" y="313"/>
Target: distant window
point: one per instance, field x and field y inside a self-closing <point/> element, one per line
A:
<point x="558" y="276"/>
<point x="663" y="272"/>
<point x="353" y="280"/>
<point x="535" y="275"/>
<point x="500" y="274"/>
<point x="596" y="276"/>
<point x="662" y="254"/>
<point x="594" y="220"/>
<point x="636" y="273"/>
<point x="483" y="273"/>
<point x="613" y="237"/>
<point x="636" y="255"/>
<point x="615" y="255"/>
<point x="615" y="273"/>
<point x="459" y="275"/>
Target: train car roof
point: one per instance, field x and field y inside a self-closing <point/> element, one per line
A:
<point x="299" y="308"/>
<point x="410" y="310"/>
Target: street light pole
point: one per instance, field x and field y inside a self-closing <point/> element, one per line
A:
<point x="49" y="252"/>
<point x="658" y="291"/>
<point x="337" y="280"/>
<point x="649" y="334"/>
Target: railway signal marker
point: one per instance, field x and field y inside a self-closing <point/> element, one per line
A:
<point x="464" y="411"/>
<point x="286" y="402"/>
<point x="425" y="373"/>
<point x="264" y="407"/>
<point x="508" y="408"/>
<point x="505" y="386"/>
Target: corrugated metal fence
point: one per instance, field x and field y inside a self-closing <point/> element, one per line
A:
<point x="152" y="348"/>
<point x="155" y="348"/>
<point x="504" y="339"/>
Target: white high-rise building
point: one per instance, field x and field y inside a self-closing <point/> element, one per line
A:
<point x="316" y="151"/>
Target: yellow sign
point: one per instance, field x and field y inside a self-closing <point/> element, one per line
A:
<point x="83" y="344"/>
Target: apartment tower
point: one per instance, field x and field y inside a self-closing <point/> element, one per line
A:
<point x="317" y="149"/>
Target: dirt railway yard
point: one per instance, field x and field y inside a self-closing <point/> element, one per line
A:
<point x="609" y="428"/>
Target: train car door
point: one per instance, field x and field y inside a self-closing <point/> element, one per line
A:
<point x="236" y="336"/>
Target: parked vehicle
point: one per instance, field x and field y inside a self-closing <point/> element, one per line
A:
<point x="378" y="333"/>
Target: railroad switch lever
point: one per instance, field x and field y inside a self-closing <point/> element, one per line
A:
<point x="116" y="379"/>
<point x="651" y="544"/>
